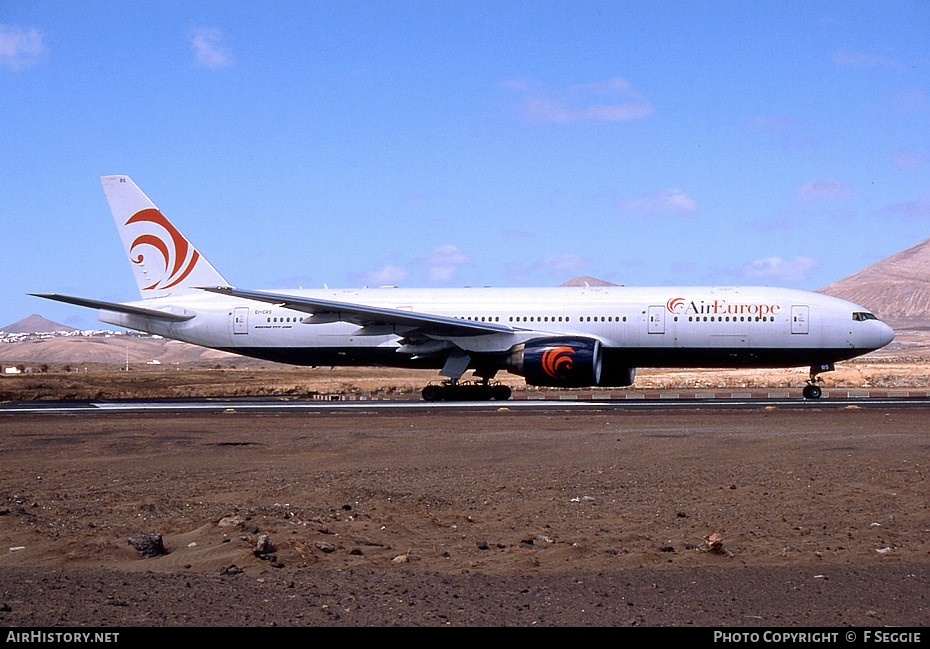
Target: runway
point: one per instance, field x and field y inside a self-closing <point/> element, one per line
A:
<point x="412" y="406"/>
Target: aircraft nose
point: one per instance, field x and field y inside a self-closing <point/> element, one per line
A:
<point x="885" y="334"/>
<point x="877" y="335"/>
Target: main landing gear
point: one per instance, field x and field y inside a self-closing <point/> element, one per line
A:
<point x="454" y="390"/>
<point x="813" y="390"/>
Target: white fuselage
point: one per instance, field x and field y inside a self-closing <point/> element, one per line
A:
<point x="644" y="327"/>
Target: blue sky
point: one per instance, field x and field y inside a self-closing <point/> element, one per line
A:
<point x="464" y="143"/>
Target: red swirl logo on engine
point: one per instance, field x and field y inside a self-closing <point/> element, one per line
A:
<point x="178" y="255"/>
<point x="558" y="361"/>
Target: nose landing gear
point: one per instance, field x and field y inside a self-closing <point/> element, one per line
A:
<point x="813" y="390"/>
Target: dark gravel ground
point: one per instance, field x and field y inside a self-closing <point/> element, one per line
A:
<point x="469" y="519"/>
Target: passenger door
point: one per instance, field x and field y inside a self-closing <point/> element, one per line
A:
<point x="799" y="319"/>
<point x="656" y="319"/>
<point x="239" y="320"/>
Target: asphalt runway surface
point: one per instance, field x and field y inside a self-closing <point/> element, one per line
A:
<point x="695" y="515"/>
<point x="675" y="402"/>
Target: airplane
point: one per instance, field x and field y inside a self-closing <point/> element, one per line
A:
<point x="568" y="337"/>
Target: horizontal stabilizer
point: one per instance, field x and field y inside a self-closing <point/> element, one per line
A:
<point x="115" y="307"/>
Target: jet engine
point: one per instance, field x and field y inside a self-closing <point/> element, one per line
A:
<point x="566" y="362"/>
<point x="616" y="376"/>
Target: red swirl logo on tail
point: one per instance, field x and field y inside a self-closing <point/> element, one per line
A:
<point x="558" y="361"/>
<point x="178" y="255"/>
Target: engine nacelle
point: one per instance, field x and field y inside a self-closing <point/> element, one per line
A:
<point x="617" y="377"/>
<point x="562" y="362"/>
<point x="566" y="362"/>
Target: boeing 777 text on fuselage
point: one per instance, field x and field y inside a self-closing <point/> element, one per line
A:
<point x="557" y="337"/>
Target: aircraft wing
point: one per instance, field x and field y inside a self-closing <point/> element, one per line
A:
<point x="115" y="306"/>
<point x="373" y="318"/>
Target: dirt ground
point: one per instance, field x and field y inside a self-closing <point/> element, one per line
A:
<point x="502" y="517"/>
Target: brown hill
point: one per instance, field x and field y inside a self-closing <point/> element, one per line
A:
<point x="110" y="350"/>
<point x="896" y="289"/>
<point x="35" y="324"/>
<point x="584" y="280"/>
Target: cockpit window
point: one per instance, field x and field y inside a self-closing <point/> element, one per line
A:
<point x="862" y="316"/>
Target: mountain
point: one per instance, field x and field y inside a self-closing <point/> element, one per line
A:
<point x="896" y="288"/>
<point x="584" y="280"/>
<point x="110" y="349"/>
<point x="35" y="324"/>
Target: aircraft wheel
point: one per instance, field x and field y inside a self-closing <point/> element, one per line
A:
<point x="432" y="393"/>
<point x="501" y="392"/>
<point x="812" y="392"/>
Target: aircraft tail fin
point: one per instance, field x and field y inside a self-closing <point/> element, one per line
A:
<point x="163" y="260"/>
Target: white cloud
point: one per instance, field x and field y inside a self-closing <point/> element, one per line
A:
<point x="780" y="270"/>
<point x="905" y="159"/>
<point x="20" y="48"/>
<point x="779" y="221"/>
<point x="558" y="266"/>
<point x="776" y="125"/>
<point x="209" y="47"/>
<point x="666" y="201"/>
<point x="784" y="130"/>
<point x="441" y="273"/>
<point x="567" y="261"/>
<point x="614" y="100"/>
<point x="910" y="209"/>
<point x="447" y="254"/>
<point x="825" y="189"/>
<point x="443" y="262"/>
<point x="387" y="275"/>
<point x="863" y="60"/>
<point x="912" y="101"/>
